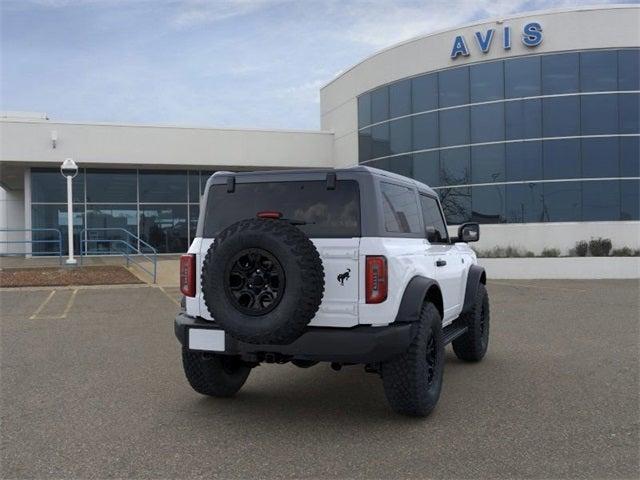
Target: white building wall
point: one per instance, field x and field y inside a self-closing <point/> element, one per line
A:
<point x="11" y="217"/>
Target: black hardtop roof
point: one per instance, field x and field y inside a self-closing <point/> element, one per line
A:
<point x="314" y="174"/>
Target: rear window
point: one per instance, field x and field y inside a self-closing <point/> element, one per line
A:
<point x="325" y="213"/>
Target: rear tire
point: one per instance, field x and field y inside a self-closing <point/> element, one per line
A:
<point x="472" y="346"/>
<point x="413" y="380"/>
<point x="214" y="375"/>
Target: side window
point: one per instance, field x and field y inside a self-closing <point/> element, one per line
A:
<point x="433" y="219"/>
<point x="400" y="209"/>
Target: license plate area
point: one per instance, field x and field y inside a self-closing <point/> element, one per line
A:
<point x="206" y="339"/>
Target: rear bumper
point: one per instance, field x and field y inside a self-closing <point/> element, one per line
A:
<point x="362" y="344"/>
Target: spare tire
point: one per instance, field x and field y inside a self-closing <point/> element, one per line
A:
<point x="263" y="281"/>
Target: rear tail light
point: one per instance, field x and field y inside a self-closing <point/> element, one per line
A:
<point x="188" y="275"/>
<point x="376" y="279"/>
<point x="269" y="214"/>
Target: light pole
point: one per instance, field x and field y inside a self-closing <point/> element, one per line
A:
<point x="69" y="169"/>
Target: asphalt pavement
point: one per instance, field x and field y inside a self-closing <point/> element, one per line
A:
<point x="92" y="387"/>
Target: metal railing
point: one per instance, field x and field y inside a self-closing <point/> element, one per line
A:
<point x="31" y="241"/>
<point x="132" y="248"/>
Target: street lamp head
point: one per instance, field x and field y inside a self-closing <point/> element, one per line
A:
<point x="69" y="168"/>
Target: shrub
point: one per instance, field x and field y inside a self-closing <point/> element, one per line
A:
<point x="625" y="252"/>
<point x="581" y="249"/>
<point x="550" y="252"/>
<point x="504" y="252"/>
<point x="600" y="247"/>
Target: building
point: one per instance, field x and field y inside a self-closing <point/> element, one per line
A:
<point x="528" y="124"/>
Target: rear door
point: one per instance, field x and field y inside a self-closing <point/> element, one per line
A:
<point x="329" y="217"/>
<point x="448" y="268"/>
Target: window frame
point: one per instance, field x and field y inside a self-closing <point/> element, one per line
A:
<point x="383" y="229"/>
<point x="444" y="222"/>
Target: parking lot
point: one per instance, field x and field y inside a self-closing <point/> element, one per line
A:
<point x="92" y="387"/>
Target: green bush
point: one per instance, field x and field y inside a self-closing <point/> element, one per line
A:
<point x="581" y="249"/>
<point x="625" y="252"/>
<point x="600" y="247"/>
<point x="504" y="252"/>
<point x="550" y="252"/>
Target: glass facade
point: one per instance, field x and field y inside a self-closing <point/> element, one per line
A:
<point x="159" y="206"/>
<point x="544" y="138"/>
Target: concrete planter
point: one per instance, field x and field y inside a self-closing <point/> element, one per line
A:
<point x="562" y="267"/>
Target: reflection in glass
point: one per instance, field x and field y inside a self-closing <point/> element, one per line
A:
<point x="630" y="156"/>
<point x="204" y="176"/>
<point x="426" y="168"/>
<point x="364" y="110"/>
<point x="561" y="116"/>
<point x="561" y="202"/>
<point x="194" y="212"/>
<point x="600" y="157"/>
<point x="561" y="159"/>
<point x="560" y="73"/>
<point x="599" y="114"/>
<point x="424" y="93"/>
<point x="487" y="123"/>
<point x="400" y="99"/>
<point x="629" y="113"/>
<point x="453" y="87"/>
<point x="105" y="185"/>
<point x="629" y="69"/>
<point x="456" y="204"/>
<point x="487" y="81"/>
<point x="523" y="161"/>
<point x="380" y="140"/>
<point x="630" y="200"/>
<point x="55" y="216"/>
<point x="365" y="145"/>
<point x="48" y="185"/>
<point x="600" y="201"/>
<point x="599" y="71"/>
<point x="454" y="127"/>
<point x="380" y="105"/>
<point x="487" y="204"/>
<point x="524" y="203"/>
<point x="400" y="135"/>
<point x="401" y="165"/>
<point x="487" y="164"/>
<point x="522" y="77"/>
<point x="454" y="166"/>
<point x="165" y="227"/>
<point x="523" y="119"/>
<point x="425" y="131"/>
<point x="113" y="217"/>
<point x="163" y="186"/>
<point x="194" y="186"/>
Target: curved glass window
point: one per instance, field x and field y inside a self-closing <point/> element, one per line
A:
<point x="534" y="125"/>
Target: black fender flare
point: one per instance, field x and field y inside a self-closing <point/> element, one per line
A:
<point x="417" y="290"/>
<point x="475" y="277"/>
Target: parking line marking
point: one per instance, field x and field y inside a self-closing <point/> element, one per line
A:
<point x="169" y="296"/>
<point x="46" y="300"/>
<point x="69" y="304"/>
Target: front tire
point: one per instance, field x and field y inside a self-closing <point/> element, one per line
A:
<point x="413" y="380"/>
<point x="472" y="346"/>
<point x="213" y="374"/>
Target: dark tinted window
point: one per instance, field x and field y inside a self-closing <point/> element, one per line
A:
<point x="599" y="71"/>
<point x="400" y="98"/>
<point x="456" y="204"/>
<point x="630" y="200"/>
<point x="48" y="185"/>
<point x="487" y="164"/>
<point x="163" y="186"/>
<point x="364" y="110"/>
<point x="400" y="209"/>
<point x="487" y="204"/>
<point x="365" y="145"/>
<point x="629" y="113"/>
<point x="204" y="176"/>
<point x="599" y="114"/>
<point x="54" y="216"/>
<point x="380" y="105"/>
<point x="561" y="159"/>
<point x="426" y="168"/>
<point x="454" y="127"/>
<point x="402" y="165"/>
<point x="424" y="91"/>
<point x="561" y="116"/>
<point x="523" y="119"/>
<point x="487" y="123"/>
<point x="194" y="186"/>
<point x="562" y="202"/>
<point x="454" y="166"/>
<point x="600" y="201"/>
<point x="433" y="218"/>
<point x="425" y="131"/>
<point x="112" y="186"/>
<point x="629" y="70"/>
<point x="487" y="81"/>
<point x="630" y="156"/>
<point x="600" y="157"/>
<point x="560" y="73"/>
<point x="523" y="161"/>
<point x="454" y="87"/>
<point x="400" y="135"/>
<point x="328" y="213"/>
<point x="194" y="212"/>
<point x="165" y="227"/>
<point x="524" y="203"/>
<point x="522" y="77"/>
<point x="113" y="217"/>
<point x="380" y="140"/>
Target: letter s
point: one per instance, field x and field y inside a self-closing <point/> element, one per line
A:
<point x="532" y="34"/>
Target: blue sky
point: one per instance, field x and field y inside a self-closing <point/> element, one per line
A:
<point x="225" y="63"/>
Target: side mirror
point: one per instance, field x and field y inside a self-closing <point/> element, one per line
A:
<point x="468" y="232"/>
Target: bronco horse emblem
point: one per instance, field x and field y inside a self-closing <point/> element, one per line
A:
<point x="344" y="276"/>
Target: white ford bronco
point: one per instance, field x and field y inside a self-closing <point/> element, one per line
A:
<point x="348" y="266"/>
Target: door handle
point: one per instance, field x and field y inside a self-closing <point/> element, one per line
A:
<point x="440" y="263"/>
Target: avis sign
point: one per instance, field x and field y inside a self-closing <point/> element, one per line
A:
<point x="531" y="37"/>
